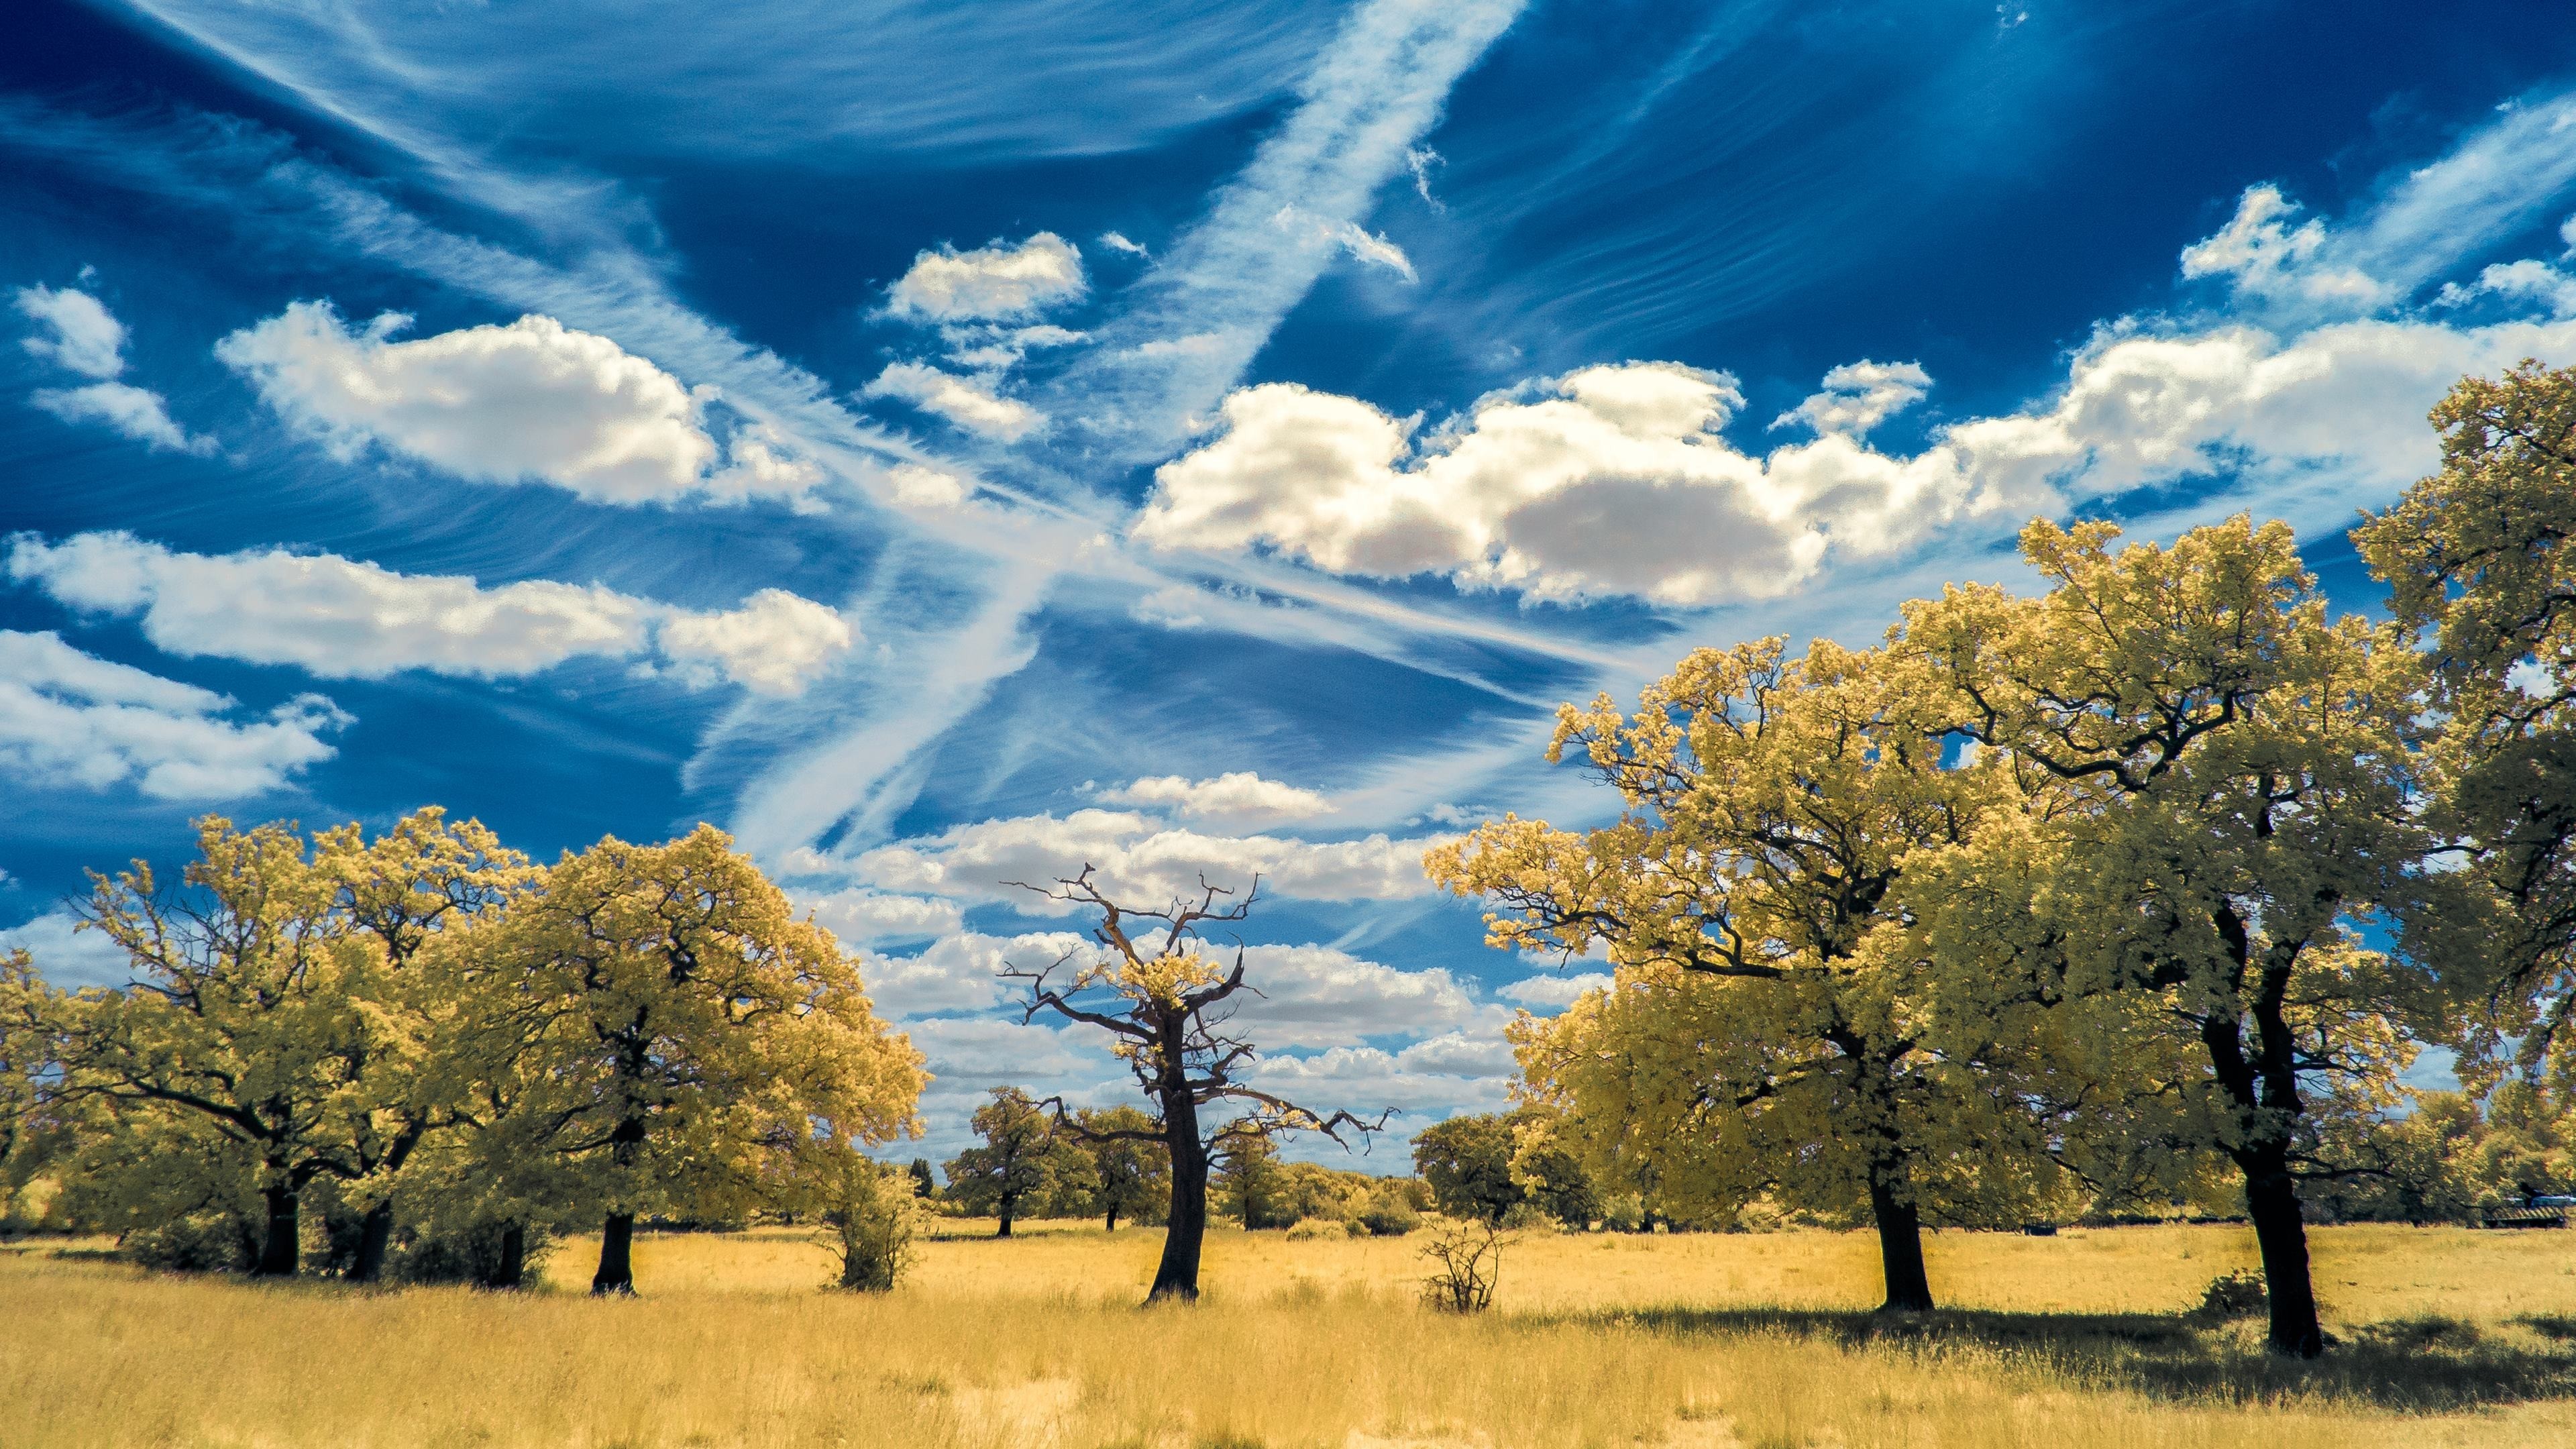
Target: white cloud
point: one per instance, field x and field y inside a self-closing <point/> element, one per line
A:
<point x="1554" y="992"/>
<point x="533" y="400"/>
<point x="72" y="719"/>
<point x="1316" y="996"/>
<point x="960" y="973"/>
<point x="1135" y="858"/>
<point x="961" y="400"/>
<point x="1613" y="479"/>
<point x="2263" y="256"/>
<point x="1349" y="237"/>
<point x="1195" y="320"/>
<point x="1237" y="794"/>
<point x="68" y="957"/>
<point x="1610" y="480"/>
<point x="2526" y="280"/>
<point x="774" y="644"/>
<point x="1858" y="396"/>
<point x="80" y="334"/>
<point x="866" y="917"/>
<point x="991" y="281"/>
<point x="1118" y="242"/>
<point x="138" y="413"/>
<point x="347" y="619"/>
<point x="926" y="487"/>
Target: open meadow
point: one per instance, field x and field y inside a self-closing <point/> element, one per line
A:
<point x="2447" y="1337"/>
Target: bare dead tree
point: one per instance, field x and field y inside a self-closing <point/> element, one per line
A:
<point x="1149" y="982"/>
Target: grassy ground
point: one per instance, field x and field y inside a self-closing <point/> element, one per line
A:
<point x="2447" y="1338"/>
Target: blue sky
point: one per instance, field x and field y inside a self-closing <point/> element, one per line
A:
<point x="949" y="444"/>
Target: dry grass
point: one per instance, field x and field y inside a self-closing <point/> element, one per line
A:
<point x="1684" y="1341"/>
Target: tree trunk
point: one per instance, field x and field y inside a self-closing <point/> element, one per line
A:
<point x="1113" y="1219"/>
<point x="2270" y="1084"/>
<point x="1185" y="1231"/>
<point x="1900" y="1251"/>
<point x="514" y="1258"/>
<point x="616" y="1256"/>
<point x="375" y="1235"/>
<point x="1005" y="1230"/>
<point x="2272" y="1201"/>
<point x="278" y="1252"/>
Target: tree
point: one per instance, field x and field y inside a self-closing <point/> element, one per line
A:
<point x="2480" y="553"/>
<point x="925" y="1184"/>
<point x="2243" y="772"/>
<point x="31" y="1135"/>
<point x="1021" y="1166"/>
<point x="1166" y="1006"/>
<point x="869" y="1215"/>
<point x="249" y="1014"/>
<point x="412" y="882"/>
<point x="1468" y="1162"/>
<point x="1774" y="1038"/>
<point x="1252" y="1186"/>
<point x="698" y="1042"/>
<point x="1133" y="1171"/>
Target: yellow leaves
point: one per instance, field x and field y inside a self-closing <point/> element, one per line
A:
<point x="1162" y="979"/>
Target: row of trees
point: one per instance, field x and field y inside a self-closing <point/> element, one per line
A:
<point x="454" y="1050"/>
<point x="1029" y="1167"/>
<point x="2085" y="896"/>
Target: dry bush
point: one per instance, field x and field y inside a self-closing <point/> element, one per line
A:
<point x="1466" y="1259"/>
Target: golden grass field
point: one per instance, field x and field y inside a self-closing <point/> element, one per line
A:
<point x="2449" y="1337"/>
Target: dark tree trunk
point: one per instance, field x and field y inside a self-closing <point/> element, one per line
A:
<point x="1900" y="1251"/>
<point x="616" y="1256"/>
<point x="513" y="1268"/>
<point x="279" y="1250"/>
<point x="1113" y="1219"/>
<point x="1185" y="1232"/>
<point x="1004" y="1230"/>
<point x="375" y="1235"/>
<point x="2269" y="1085"/>
<point x="2272" y="1201"/>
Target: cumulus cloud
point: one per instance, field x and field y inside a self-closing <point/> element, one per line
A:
<point x="138" y="413"/>
<point x="67" y="956"/>
<point x="993" y="281"/>
<point x="1135" y="858"/>
<point x="1858" y="396"/>
<point x="2527" y="280"/>
<point x="530" y="401"/>
<point x="1118" y="242"/>
<point x="1606" y="480"/>
<point x="2262" y="255"/>
<point x="961" y="400"/>
<point x="1316" y="996"/>
<point x="774" y="644"/>
<point x="77" y="333"/>
<point x="348" y="619"/>
<point x="1612" y="480"/>
<point x="1554" y="993"/>
<point x="72" y="719"/>
<point x="960" y="972"/>
<point x="1237" y="794"/>
<point x="862" y="918"/>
